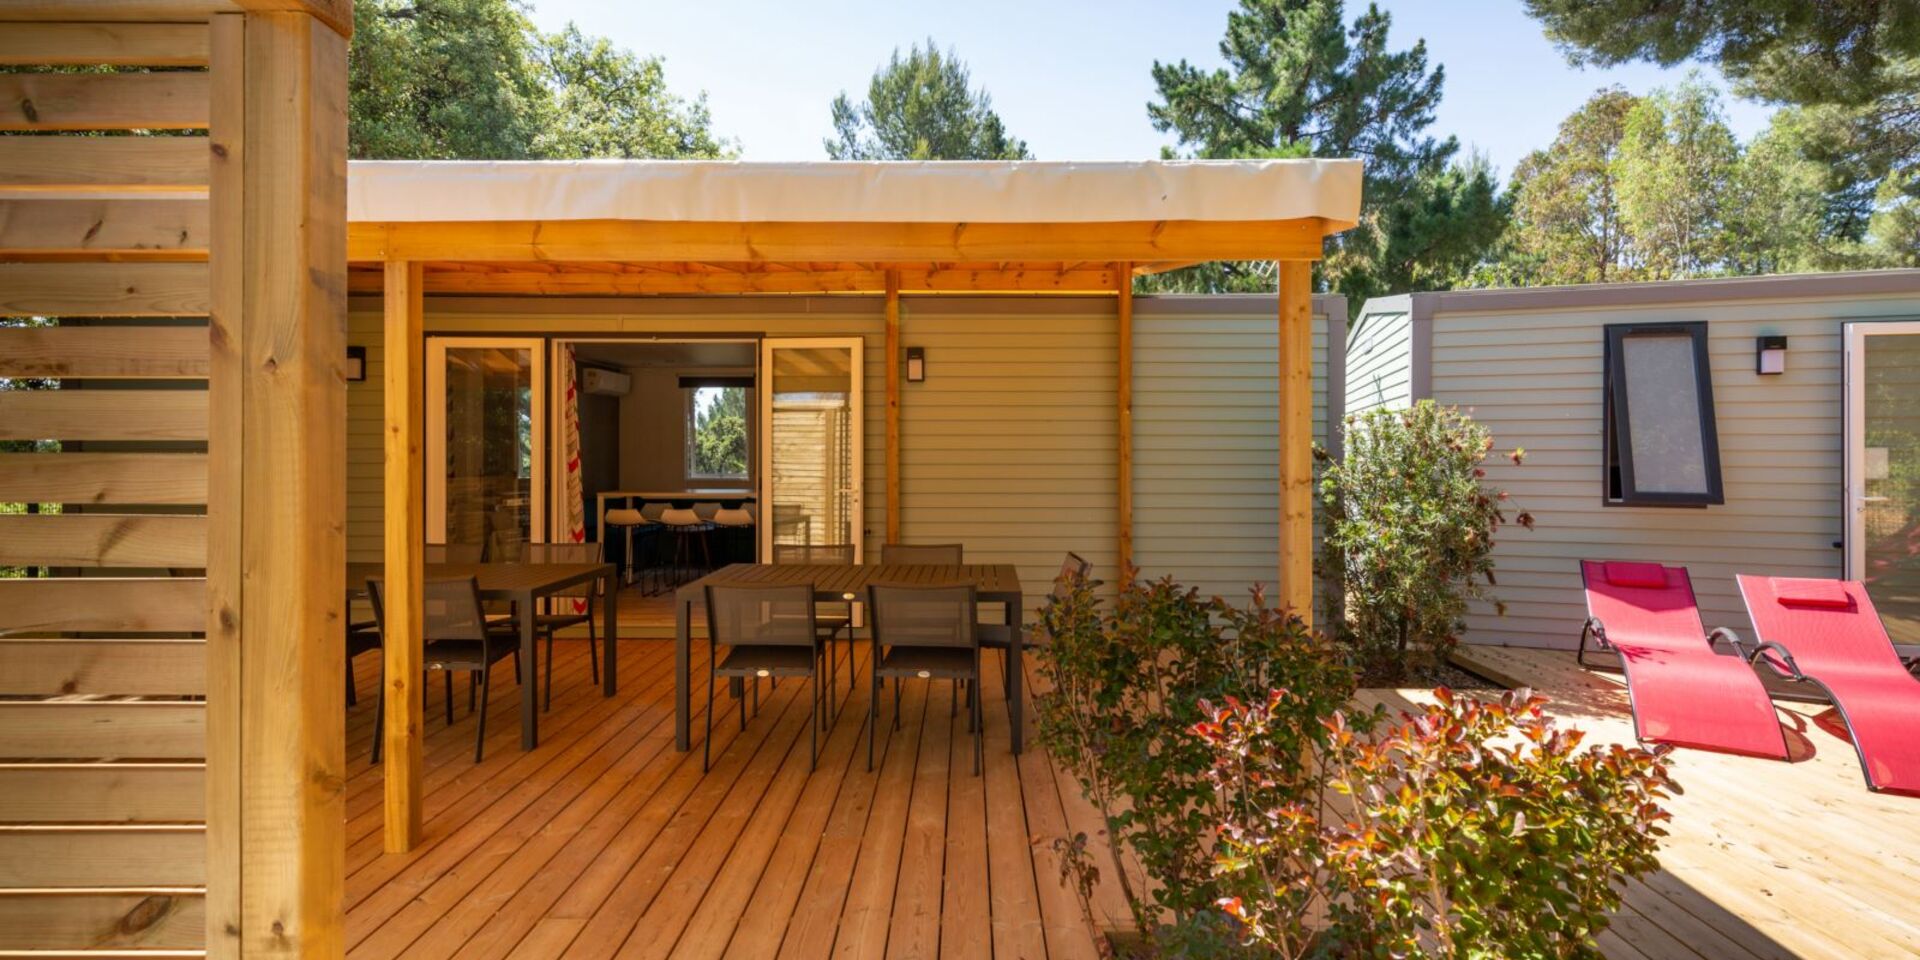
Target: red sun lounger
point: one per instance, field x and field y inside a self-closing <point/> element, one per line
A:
<point x="1826" y="633"/>
<point x="1681" y="691"/>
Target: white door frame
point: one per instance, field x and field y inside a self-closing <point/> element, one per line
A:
<point x="1855" y="335"/>
<point x="436" y="426"/>
<point x="857" y="376"/>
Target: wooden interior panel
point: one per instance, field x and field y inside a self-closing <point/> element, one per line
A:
<point x="103" y="415"/>
<point x="118" y="478"/>
<point x="92" y="665"/>
<point x="130" y="353"/>
<point x="102" y="289"/>
<point x="172" y="227"/>
<point x="154" y="856"/>
<point x="108" y="44"/>
<point x="95" y="163"/>
<point x="81" y="604"/>
<point x="138" y="920"/>
<point x="103" y="101"/>
<point x="100" y="729"/>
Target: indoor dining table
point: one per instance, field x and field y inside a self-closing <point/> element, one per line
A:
<point x="524" y="584"/>
<point x="994" y="583"/>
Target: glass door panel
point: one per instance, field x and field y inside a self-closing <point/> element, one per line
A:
<point x="812" y="446"/>
<point x="486" y="412"/>
<point x="1883" y="471"/>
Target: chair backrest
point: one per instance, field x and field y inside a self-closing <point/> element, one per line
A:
<point x="452" y="553"/>
<point x="1644" y="605"/>
<point x="761" y="616"/>
<point x="814" y="554"/>
<point x="917" y="615"/>
<point x="937" y="554"/>
<point x="451" y="606"/>
<point x="1072" y="569"/>
<point x="1825" y="624"/>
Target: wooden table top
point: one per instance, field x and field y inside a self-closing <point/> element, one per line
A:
<point x="991" y="580"/>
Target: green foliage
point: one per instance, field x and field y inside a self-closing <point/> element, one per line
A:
<point x="1567" y="225"/>
<point x="719" y="446"/>
<point x="1122" y="696"/>
<point x="1676" y="166"/>
<point x="921" y="107"/>
<point x="474" y="80"/>
<point x="1471" y="829"/>
<point x="1409" y="533"/>
<point x="1299" y="81"/>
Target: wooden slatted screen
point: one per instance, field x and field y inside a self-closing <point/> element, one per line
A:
<point x="103" y="486"/>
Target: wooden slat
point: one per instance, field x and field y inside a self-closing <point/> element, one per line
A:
<point x="102" y="666"/>
<point x="164" y="227"/>
<point x="102" y="730"/>
<point x="103" y="101"/>
<point x="104" y="44"/>
<point x="103" y="540"/>
<point x="116" y="478"/>
<point x="161" y="605"/>
<point x="103" y="921"/>
<point x="103" y="415"/>
<point x="102" y="289"/>
<point x="1295" y="585"/>
<point x="158" y="11"/>
<point x="102" y="793"/>
<point x="128" y="353"/>
<point x="102" y="163"/>
<point x="102" y="856"/>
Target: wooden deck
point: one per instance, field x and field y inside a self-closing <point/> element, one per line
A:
<point x="1765" y="859"/>
<point x="604" y="842"/>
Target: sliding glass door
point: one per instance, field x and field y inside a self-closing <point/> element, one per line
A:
<point x="486" y="410"/>
<point x="812" y="446"/>
<point x="1883" y="470"/>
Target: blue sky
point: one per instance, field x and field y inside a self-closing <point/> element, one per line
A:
<point x="1071" y="77"/>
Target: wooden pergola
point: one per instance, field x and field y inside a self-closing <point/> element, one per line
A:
<point x="407" y="260"/>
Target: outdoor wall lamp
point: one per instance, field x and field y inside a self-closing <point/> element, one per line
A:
<point x="356" y="364"/>
<point x="1770" y="356"/>
<point x="916" y="364"/>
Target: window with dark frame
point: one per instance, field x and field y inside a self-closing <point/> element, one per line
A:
<point x="1662" y="447"/>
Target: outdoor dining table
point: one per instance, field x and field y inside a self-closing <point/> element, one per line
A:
<point x="524" y="584"/>
<point x="994" y="583"/>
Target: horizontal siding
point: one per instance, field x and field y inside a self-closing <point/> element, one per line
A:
<point x="1534" y="378"/>
<point x="1380" y="362"/>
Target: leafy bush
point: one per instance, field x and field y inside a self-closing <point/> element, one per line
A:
<point x="1409" y="534"/>
<point x="1470" y="830"/>
<point x="1125" y="689"/>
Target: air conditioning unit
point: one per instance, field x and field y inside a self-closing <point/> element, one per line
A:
<point x="605" y="382"/>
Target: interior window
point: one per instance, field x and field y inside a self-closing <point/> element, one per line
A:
<point x="1662" y="448"/>
<point x="717" y="434"/>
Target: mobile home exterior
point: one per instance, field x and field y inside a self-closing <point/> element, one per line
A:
<point x="1531" y="365"/>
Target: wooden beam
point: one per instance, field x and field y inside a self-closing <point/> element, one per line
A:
<point x="894" y="360"/>
<point x="1296" y="438"/>
<point x="168" y="228"/>
<point x="336" y="14"/>
<point x="661" y="240"/>
<point x="102" y="289"/>
<point x="159" y="11"/>
<point x="275" y="757"/>
<point x="103" y="101"/>
<point x="1123" y="290"/>
<point x="100" y="164"/>
<point x="104" y="44"/>
<point x="404" y="618"/>
<point x="562" y="282"/>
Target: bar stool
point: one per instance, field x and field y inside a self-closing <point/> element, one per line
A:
<point x="654" y="546"/>
<point x="686" y="527"/>
<point x="629" y="520"/>
<point x="735" y="525"/>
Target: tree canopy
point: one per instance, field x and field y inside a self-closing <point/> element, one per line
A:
<point x="475" y="80"/>
<point x="921" y="107"/>
<point x="1300" y="82"/>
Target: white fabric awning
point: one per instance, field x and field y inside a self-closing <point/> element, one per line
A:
<point x="398" y="191"/>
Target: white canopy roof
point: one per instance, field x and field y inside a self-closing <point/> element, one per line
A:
<point x="395" y="191"/>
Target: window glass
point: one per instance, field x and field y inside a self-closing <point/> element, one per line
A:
<point x="1663" y="397"/>
<point x="717" y="441"/>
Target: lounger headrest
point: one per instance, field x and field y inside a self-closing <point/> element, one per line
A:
<point x="1811" y="593"/>
<point x="1636" y="574"/>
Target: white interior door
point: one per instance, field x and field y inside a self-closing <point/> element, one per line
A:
<point x="486" y="422"/>
<point x="1883" y="470"/>
<point x="812" y="447"/>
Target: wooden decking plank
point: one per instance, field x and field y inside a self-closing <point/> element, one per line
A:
<point x="864" y="913"/>
<point x="966" y="926"/>
<point x="1082" y="816"/>
<point x="1062" y="919"/>
<point x="1013" y="894"/>
<point x="914" y="927"/>
<point x="548" y="938"/>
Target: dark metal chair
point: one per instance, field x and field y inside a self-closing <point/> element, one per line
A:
<point x="560" y="613"/>
<point x="999" y="636"/>
<point x="834" y="618"/>
<point x="928" y="632"/>
<point x="362" y="636"/>
<point x="936" y="554"/>
<point x="768" y="632"/>
<point x="457" y="636"/>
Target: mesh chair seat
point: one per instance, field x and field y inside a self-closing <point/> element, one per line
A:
<point x="925" y="631"/>
<point x="766" y="661"/>
<point x="457" y="635"/>
<point x="942" y="663"/>
<point x="768" y="632"/>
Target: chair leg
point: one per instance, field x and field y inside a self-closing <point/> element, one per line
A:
<point x="480" y="737"/>
<point x="743" y="703"/>
<point x="353" y="696"/>
<point x="896" y="702"/>
<point x="979" y="749"/>
<point x="873" y="718"/>
<point x="813" y="722"/>
<point x="379" y="717"/>
<point x="516" y="667"/>
<point x="449" y="675"/>
<point x="473" y="689"/>
<point x="549" y="675"/>
<point x="593" y="648"/>
<point x="706" y="741"/>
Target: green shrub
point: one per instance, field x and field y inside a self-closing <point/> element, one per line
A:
<point x="1409" y="535"/>
<point x="1124" y="693"/>
<point x="1469" y="830"/>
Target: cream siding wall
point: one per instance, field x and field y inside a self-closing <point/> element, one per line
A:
<point x="1534" y="378"/>
<point x="1380" y="357"/>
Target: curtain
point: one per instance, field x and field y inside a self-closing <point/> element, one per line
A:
<point x="573" y="501"/>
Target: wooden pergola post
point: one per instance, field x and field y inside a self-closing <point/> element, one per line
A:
<point x="1296" y="431"/>
<point x="402" y="610"/>
<point x="276" y="765"/>
<point x="1123" y="292"/>
<point x="894" y="360"/>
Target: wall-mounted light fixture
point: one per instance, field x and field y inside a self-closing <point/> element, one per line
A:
<point x="1770" y="356"/>
<point x="916" y="364"/>
<point x="356" y="364"/>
